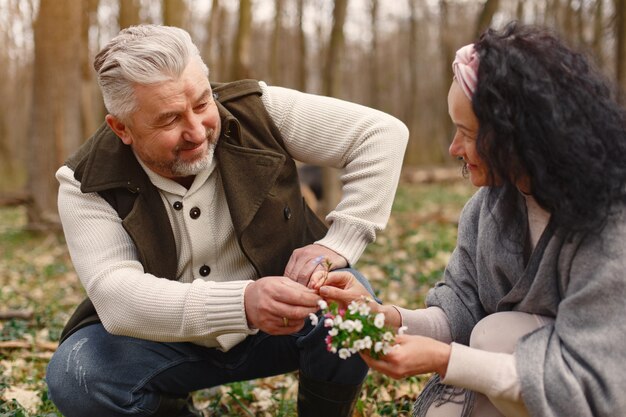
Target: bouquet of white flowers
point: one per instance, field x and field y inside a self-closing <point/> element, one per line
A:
<point x="355" y="328"/>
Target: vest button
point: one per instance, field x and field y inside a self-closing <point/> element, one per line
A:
<point x="194" y="213"/>
<point x="287" y="213"/>
<point x="178" y="205"/>
<point x="205" y="270"/>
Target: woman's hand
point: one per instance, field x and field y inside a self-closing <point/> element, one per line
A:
<point x="340" y="286"/>
<point x="412" y="355"/>
<point x="343" y="287"/>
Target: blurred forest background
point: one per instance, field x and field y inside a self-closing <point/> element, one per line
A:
<point x="394" y="55"/>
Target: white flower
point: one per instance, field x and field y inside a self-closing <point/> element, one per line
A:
<point x="333" y="331"/>
<point x="387" y="348"/>
<point x="358" y="325"/>
<point x="379" y="320"/>
<point x="358" y="344"/>
<point x="337" y="320"/>
<point x="402" y="329"/>
<point x="314" y="319"/>
<point x="364" y="309"/>
<point x="353" y="307"/>
<point x="328" y="322"/>
<point x="344" y="353"/>
<point x="333" y="349"/>
<point x="367" y="342"/>
<point x="388" y="337"/>
<point x="378" y="346"/>
<point x="322" y="304"/>
<point x="347" y="325"/>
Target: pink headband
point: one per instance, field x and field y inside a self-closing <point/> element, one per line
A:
<point x="465" y="68"/>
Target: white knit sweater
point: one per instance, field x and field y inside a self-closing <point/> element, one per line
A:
<point x="367" y="144"/>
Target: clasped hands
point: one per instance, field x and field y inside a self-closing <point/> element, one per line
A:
<point x="280" y="305"/>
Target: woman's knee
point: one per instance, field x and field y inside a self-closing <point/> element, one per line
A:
<point x="499" y="332"/>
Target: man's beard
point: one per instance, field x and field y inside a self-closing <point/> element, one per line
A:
<point x="182" y="168"/>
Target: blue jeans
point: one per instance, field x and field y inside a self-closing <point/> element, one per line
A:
<point x="94" y="373"/>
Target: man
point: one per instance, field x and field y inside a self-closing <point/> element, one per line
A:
<point x="187" y="228"/>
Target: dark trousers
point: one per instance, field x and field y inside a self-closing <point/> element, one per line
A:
<point x="94" y="373"/>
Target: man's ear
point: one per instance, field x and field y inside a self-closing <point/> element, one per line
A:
<point x="120" y="128"/>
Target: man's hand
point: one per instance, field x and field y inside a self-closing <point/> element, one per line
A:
<point x="278" y="305"/>
<point x="304" y="261"/>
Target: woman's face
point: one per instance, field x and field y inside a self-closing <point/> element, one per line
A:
<point x="464" y="141"/>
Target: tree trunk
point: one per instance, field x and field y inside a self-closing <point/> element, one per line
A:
<point x="519" y="11"/>
<point x="55" y="121"/>
<point x="129" y="13"/>
<point x="303" y="68"/>
<point x="620" y="45"/>
<point x="331" y="87"/>
<point x="332" y="73"/>
<point x="241" y="50"/>
<point x="88" y="107"/>
<point x="175" y="13"/>
<point x="374" y="89"/>
<point x="486" y="15"/>
<point x="448" y="58"/>
<point x="598" y="33"/>
<point x="212" y="45"/>
<point x="568" y="22"/>
<point x="275" y="48"/>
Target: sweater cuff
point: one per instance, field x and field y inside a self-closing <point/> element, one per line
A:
<point x="430" y="322"/>
<point x="346" y="240"/>
<point x="224" y="313"/>
<point x="490" y="373"/>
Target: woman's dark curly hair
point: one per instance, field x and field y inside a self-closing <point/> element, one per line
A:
<point x="545" y="112"/>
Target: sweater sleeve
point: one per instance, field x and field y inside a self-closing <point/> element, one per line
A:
<point x="131" y="302"/>
<point x="490" y="373"/>
<point x="458" y="294"/>
<point x="366" y="144"/>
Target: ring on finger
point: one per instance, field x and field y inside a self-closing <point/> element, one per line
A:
<point x="285" y="322"/>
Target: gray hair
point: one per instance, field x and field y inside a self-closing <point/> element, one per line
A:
<point x="144" y="54"/>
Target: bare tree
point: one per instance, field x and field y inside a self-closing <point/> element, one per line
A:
<point x="129" y="13"/>
<point x="212" y="45"/>
<point x="486" y="15"/>
<point x="175" y="13"/>
<point x="519" y="10"/>
<point x="303" y="69"/>
<point x="620" y="45"/>
<point x="55" y="121"/>
<point x="447" y="49"/>
<point x="88" y="103"/>
<point x="331" y="87"/>
<point x="275" y="47"/>
<point x="598" y="32"/>
<point x="240" y="67"/>
<point x="332" y="69"/>
<point x="374" y="87"/>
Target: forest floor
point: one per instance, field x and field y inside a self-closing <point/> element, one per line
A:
<point x="39" y="290"/>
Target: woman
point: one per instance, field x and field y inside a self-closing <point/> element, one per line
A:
<point x="531" y="316"/>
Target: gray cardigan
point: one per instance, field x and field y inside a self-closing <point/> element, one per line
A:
<point x="575" y="366"/>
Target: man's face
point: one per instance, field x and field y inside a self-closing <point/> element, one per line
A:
<point x="176" y="125"/>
